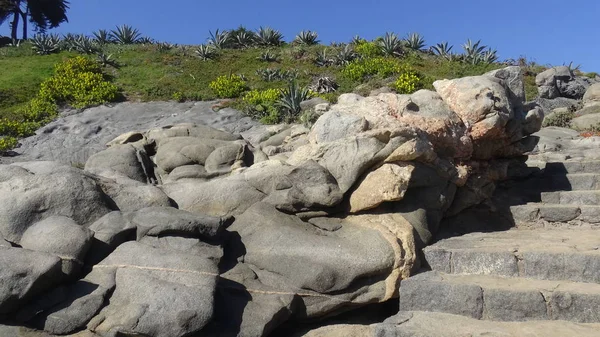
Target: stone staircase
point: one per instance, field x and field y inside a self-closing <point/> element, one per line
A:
<point x="545" y="271"/>
<point x="569" y="195"/>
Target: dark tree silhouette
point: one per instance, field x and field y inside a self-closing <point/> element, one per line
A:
<point x="43" y="14"/>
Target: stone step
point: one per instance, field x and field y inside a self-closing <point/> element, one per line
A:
<point x="436" y="324"/>
<point x="573" y="181"/>
<point x="571" y="197"/>
<point x="545" y="254"/>
<point x="500" y="298"/>
<point x="575" y="166"/>
<point x="534" y="212"/>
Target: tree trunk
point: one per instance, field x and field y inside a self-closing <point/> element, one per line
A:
<point x="24" y="16"/>
<point x="15" y="26"/>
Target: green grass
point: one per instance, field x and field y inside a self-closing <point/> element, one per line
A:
<point x="146" y="74"/>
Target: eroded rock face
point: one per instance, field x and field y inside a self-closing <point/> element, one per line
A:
<point x="187" y="230"/>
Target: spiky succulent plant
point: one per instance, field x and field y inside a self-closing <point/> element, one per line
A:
<point x="489" y="56"/>
<point x="391" y="45"/>
<point x="268" y="36"/>
<point x="268" y="56"/>
<point x="442" y="49"/>
<point x="324" y="85"/>
<point x="145" y="40"/>
<point x="84" y="44"/>
<point x="357" y="40"/>
<point x="307" y="37"/>
<point x="269" y="74"/>
<point x="415" y="41"/>
<point x="206" y="52"/>
<point x="46" y="44"/>
<point x="244" y="38"/>
<point x="102" y="36"/>
<point x="290" y="100"/>
<point x="345" y="55"/>
<point x="322" y="59"/>
<point x="125" y="34"/>
<point x="473" y="49"/>
<point x="219" y="40"/>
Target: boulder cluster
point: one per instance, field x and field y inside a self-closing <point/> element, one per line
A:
<point x="188" y="230"/>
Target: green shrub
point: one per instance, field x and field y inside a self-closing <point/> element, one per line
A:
<point x="7" y="143"/>
<point x="368" y="49"/>
<point x="408" y="82"/>
<point x="381" y="66"/>
<point x="78" y="82"/>
<point x="231" y="86"/>
<point x="261" y="105"/>
<point x="561" y="118"/>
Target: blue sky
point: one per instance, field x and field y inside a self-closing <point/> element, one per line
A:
<point x="546" y="31"/>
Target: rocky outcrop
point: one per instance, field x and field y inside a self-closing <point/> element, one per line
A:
<point x="185" y="229"/>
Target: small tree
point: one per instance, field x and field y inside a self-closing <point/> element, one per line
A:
<point x="43" y="14"/>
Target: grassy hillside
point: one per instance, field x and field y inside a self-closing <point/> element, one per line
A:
<point x="145" y="71"/>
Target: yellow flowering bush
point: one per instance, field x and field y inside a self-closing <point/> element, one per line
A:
<point x="78" y="82"/>
<point x="228" y="86"/>
<point x="260" y="104"/>
<point x="381" y="66"/>
<point x="368" y="49"/>
<point x="407" y="83"/>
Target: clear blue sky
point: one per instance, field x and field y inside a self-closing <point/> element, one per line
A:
<point x="547" y="31"/>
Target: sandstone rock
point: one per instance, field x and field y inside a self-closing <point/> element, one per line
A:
<point x="129" y="198"/>
<point x="124" y="159"/>
<point x="190" y="130"/>
<point x="110" y="231"/>
<point x="335" y="125"/>
<point x="178" y="151"/>
<point x="546" y="81"/>
<point x="225" y="158"/>
<point x="387" y="183"/>
<point x="158" y="292"/>
<point x="24" y="274"/>
<point x="513" y="79"/>
<point x="26" y="199"/>
<point x="310" y="104"/>
<point x="586" y="122"/>
<point x="480" y="101"/>
<point x="59" y="236"/>
<point x="188" y="172"/>
<point x="592" y="95"/>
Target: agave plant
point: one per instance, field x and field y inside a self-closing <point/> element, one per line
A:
<point x="324" y="85"/>
<point x="289" y="75"/>
<point x="125" y="34"/>
<point x="322" y="59"/>
<point x="268" y="56"/>
<point x="307" y="37"/>
<point x="206" y="52"/>
<point x="473" y="49"/>
<point x="269" y="74"/>
<point x="345" y="55"/>
<point x="102" y="36"/>
<point x="357" y="40"/>
<point x="146" y="40"/>
<point x="415" y="41"/>
<point x="106" y="60"/>
<point x="269" y="37"/>
<point x="442" y="49"/>
<point x="290" y="100"/>
<point x="219" y="40"/>
<point x="165" y="46"/>
<point x="45" y="44"/>
<point x="489" y="56"/>
<point x="244" y="38"/>
<point x="84" y="44"/>
<point x="391" y="45"/>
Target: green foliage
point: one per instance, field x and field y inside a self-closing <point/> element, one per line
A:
<point x="125" y="35"/>
<point x="307" y="37"/>
<point x="260" y="104"/>
<point x="408" y="82"/>
<point x="45" y="44"/>
<point x="560" y="118"/>
<point x="102" y="36"/>
<point x="415" y="41"/>
<point x="591" y="75"/>
<point x="367" y="49"/>
<point x="206" y="52"/>
<point x="178" y="96"/>
<point x="391" y="45"/>
<point x="381" y="66"/>
<point x="219" y="40"/>
<point x="231" y="86"/>
<point x="80" y="83"/>
<point x="269" y="37"/>
<point x="290" y="100"/>
<point x="7" y="143"/>
<point x="268" y="56"/>
<point x="345" y="55"/>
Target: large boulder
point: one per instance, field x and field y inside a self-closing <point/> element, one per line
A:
<point x="158" y="292"/>
<point x="31" y="197"/>
<point x="124" y="159"/>
<point x="386" y="183"/>
<point x="592" y="95"/>
<point x="560" y="82"/>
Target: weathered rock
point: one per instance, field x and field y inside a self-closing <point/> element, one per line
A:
<point x="158" y="292"/>
<point x="310" y="104"/>
<point x="219" y="197"/>
<point x="586" y="122"/>
<point x="178" y="151"/>
<point x="189" y="130"/>
<point x="225" y="158"/>
<point x="136" y="196"/>
<point x="387" y="183"/>
<point x="59" y="236"/>
<point x="513" y="79"/>
<point x="335" y="125"/>
<point x="546" y="81"/>
<point x="24" y="274"/>
<point x="480" y="101"/>
<point x="592" y="95"/>
<point x="26" y="199"/>
<point x="109" y="232"/>
<point x="124" y="159"/>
